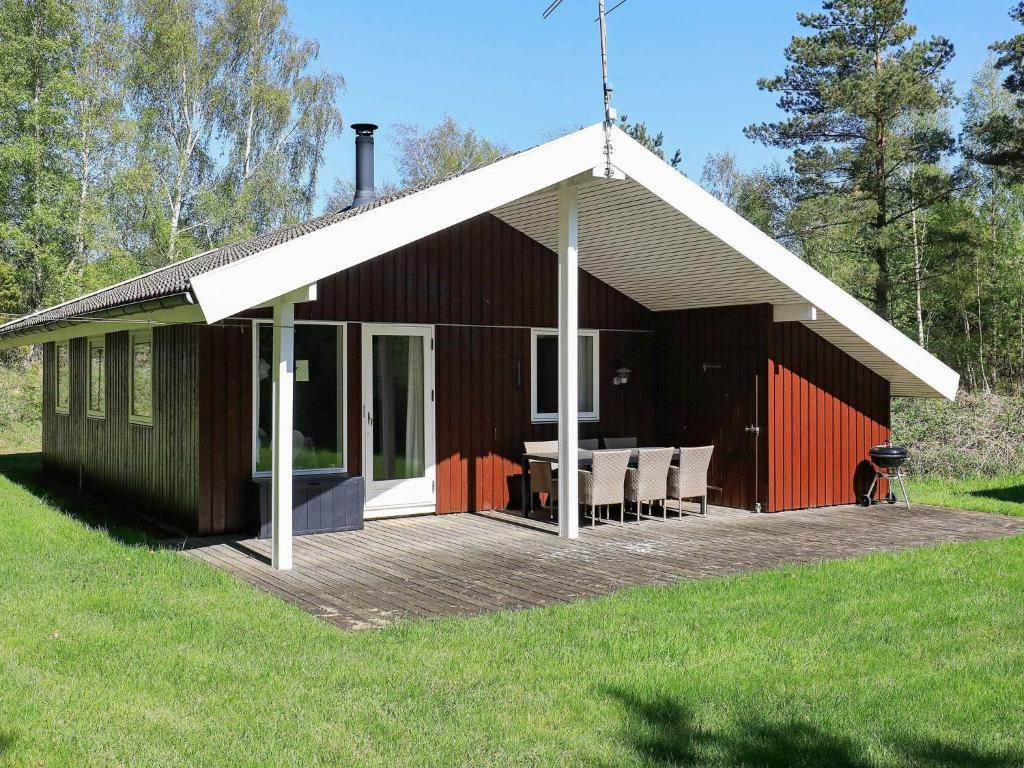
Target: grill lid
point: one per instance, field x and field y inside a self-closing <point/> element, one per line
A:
<point x="889" y="455"/>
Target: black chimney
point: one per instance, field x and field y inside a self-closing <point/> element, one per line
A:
<point x="365" y="193"/>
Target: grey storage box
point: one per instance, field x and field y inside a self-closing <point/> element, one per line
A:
<point x="321" y="503"/>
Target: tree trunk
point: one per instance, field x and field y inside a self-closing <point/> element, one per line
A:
<point x="83" y="196"/>
<point x="918" y="273"/>
<point x="38" y="289"/>
<point x="179" y="195"/>
<point x="255" y="55"/>
<point x="881" y="292"/>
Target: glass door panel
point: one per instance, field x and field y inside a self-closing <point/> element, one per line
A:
<point x="398" y="419"/>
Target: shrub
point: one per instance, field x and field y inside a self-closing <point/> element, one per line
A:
<point x="978" y="434"/>
<point x="21" y="394"/>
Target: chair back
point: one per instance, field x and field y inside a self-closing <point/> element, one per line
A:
<point x="609" y="475"/>
<point x="540" y="446"/>
<point x="590" y="444"/>
<point x="652" y="472"/>
<point x="542" y="476"/>
<point x="620" y="442"/>
<point x="693" y="471"/>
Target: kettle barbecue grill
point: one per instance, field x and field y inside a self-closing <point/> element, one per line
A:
<point x="887" y="460"/>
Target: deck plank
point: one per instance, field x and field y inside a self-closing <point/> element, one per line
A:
<point x="465" y="564"/>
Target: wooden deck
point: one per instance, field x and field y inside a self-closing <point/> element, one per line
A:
<point x="464" y="564"/>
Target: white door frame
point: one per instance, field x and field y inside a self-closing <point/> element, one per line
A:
<point x="415" y="496"/>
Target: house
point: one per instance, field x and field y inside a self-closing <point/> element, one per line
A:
<point x="416" y="340"/>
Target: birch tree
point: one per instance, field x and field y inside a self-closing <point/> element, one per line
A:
<point x="36" y="188"/>
<point x="174" y="70"/>
<point x="276" y="115"/>
<point x="99" y="146"/>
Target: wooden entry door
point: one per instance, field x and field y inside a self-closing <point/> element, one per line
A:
<point x="724" y="410"/>
<point x="398" y="420"/>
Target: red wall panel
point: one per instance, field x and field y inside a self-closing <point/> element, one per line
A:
<point x="826" y="411"/>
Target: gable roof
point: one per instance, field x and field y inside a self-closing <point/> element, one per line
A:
<point x="176" y="279"/>
<point x="655" y="236"/>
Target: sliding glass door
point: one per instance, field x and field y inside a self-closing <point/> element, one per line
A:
<point x="398" y="416"/>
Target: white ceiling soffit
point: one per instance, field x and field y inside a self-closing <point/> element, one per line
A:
<point x="668" y="244"/>
<point x="268" y="274"/>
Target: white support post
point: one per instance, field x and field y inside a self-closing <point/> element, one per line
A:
<point x="568" y="361"/>
<point x="281" y="441"/>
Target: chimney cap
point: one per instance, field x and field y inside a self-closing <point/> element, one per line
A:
<point x="364" y="129"/>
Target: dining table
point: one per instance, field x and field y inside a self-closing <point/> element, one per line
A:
<point x="586" y="461"/>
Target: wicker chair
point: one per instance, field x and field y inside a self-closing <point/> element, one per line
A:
<point x="590" y="444"/>
<point x="620" y="442"/>
<point x="690" y="479"/>
<point x="543" y="474"/>
<point x="649" y="481"/>
<point x="603" y="484"/>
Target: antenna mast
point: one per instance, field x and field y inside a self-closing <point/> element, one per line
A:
<point x="609" y="110"/>
<point x="606" y="89"/>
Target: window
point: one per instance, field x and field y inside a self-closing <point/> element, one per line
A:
<point x="96" y="405"/>
<point x="544" y="376"/>
<point x="62" y="367"/>
<point x="318" y="430"/>
<point x="140" y="400"/>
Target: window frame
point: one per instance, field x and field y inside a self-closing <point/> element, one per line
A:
<point x="65" y="410"/>
<point x="95" y="342"/>
<point x="133" y="337"/>
<point x="551" y="418"/>
<point x="254" y="437"/>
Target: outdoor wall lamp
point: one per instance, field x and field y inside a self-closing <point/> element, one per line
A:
<point x="621" y="376"/>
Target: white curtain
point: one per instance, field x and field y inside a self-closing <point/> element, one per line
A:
<point x="383" y="430"/>
<point x="414" y="427"/>
<point x="585" y="357"/>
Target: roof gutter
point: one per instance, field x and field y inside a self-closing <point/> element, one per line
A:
<point x="125" y="311"/>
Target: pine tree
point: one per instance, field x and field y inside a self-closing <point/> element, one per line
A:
<point x="851" y="89"/>
<point x="998" y="141"/>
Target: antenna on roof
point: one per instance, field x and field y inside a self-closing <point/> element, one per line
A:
<point x="609" y="111"/>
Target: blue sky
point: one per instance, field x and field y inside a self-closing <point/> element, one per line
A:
<point x="687" y="68"/>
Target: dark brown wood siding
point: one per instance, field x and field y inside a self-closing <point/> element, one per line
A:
<point x="154" y="469"/>
<point x="818" y="410"/>
<point x="711" y="388"/>
<point x="825" y="411"/>
<point x="483" y="285"/>
<point x="699" y="377"/>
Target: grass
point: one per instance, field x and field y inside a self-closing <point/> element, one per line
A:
<point x="1002" y="495"/>
<point x="113" y="652"/>
<point x="20" y="437"/>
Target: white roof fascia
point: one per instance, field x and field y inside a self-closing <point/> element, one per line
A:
<point x="71" y="328"/>
<point x="276" y="271"/>
<point x="732" y="229"/>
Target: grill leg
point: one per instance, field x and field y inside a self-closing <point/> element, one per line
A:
<point x="906" y="499"/>
<point x="871" y="489"/>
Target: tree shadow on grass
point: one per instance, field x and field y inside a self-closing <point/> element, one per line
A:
<point x="1011" y="493"/>
<point x="662" y="731"/>
<point x="7" y="739"/>
<point x="25" y="469"/>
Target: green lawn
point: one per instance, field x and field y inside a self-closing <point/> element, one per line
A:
<point x="1003" y="495"/>
<point x="20" y="437"/>
<point x="116" y="653"/>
